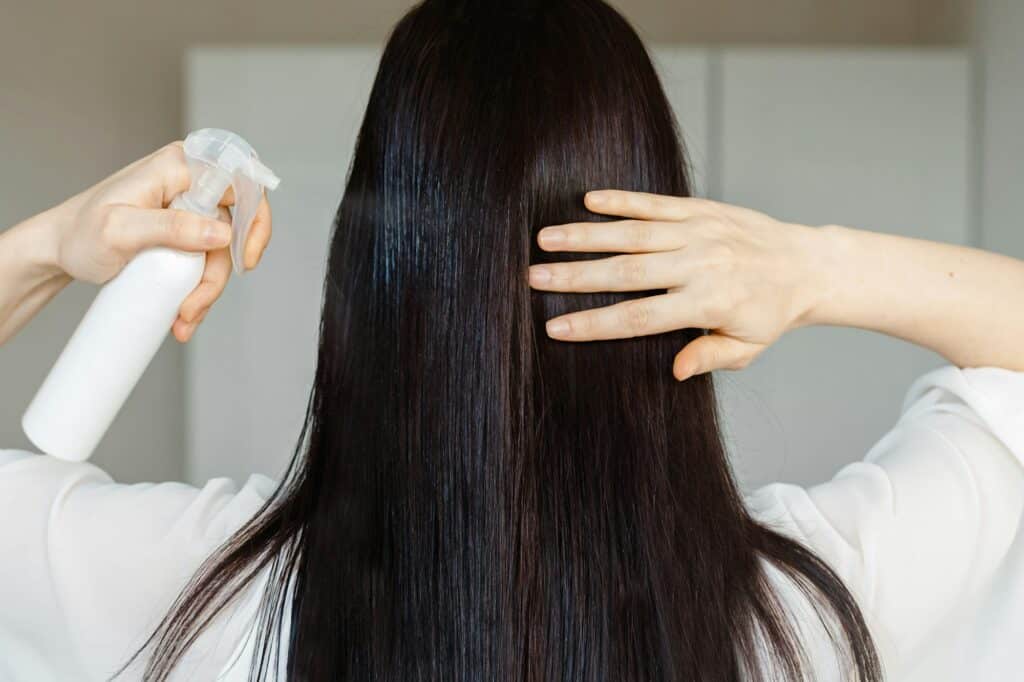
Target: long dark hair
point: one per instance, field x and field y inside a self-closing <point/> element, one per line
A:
<point x="471" y="500"/>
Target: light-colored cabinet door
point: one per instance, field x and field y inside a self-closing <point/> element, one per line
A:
<point x="686" y="75"/>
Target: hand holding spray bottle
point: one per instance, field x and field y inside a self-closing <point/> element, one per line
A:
<point x="132" y="314"/>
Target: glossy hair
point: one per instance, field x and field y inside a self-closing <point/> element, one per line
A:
<point x="470" y="499"/>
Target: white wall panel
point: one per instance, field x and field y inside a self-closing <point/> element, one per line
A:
<point x="685" y="73"/>
<point x="1000" y="26"/>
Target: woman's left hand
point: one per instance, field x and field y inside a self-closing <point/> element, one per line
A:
<point x="741" y="274"/>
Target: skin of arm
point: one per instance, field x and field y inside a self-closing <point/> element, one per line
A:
<point x="748" y="279"/>
<point x="29" y="274"/>
<point x="963" y="303"/>
<point x="92" y="236"/>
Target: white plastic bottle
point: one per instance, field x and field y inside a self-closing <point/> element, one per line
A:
<point x="132" y="314"/>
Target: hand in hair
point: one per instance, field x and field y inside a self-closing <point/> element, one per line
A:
<point x="749" y="279"/>
<point x="740" y="273"/>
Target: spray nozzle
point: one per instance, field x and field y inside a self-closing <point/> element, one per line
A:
<point x="218" y="159"/>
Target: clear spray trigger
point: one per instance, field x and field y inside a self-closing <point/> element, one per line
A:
<point x="218" y="159"/>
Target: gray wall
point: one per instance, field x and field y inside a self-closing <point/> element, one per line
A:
<point x="1000" y="52"/>
<point x="86" y="87"/>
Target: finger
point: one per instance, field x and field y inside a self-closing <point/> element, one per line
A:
<point x="182" y="330"/>
<point x="711" y="352"/>
<point x="618" y="273"/>
<point x="229" y="197"/>
<point x="259" y="235"/>
<point x="169" y="170"/>
<point x="185" y="331"/>
<point x="641" y="317"/>
<point x="259" y="232"/>
<point x="624" y="236"/>
<point x="133" y="229"/>
<point x="215" y="279"/>
<point x="645" y="206"/>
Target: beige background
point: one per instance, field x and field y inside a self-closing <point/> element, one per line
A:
<point x="86" y="87"/>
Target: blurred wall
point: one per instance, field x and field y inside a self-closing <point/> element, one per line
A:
<point x="86" y="87"/>
<point x="1000" y="66"/>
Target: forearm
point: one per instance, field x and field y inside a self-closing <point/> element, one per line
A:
<point x="29" y="274"/>
<point x="963" y="303"/>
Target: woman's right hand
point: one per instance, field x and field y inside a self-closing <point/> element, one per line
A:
<point x="98" y="231"/>
<point x="743" y="275"/>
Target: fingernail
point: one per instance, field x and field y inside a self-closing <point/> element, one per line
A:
<point x="557" y="328"/>
<point x="597" y="198"/>
<point x="551" y="236"/>
<point x="539" y="275"/>
<point x="216" y="234"/>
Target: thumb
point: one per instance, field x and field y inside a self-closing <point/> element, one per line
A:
<point x="135" y="229"/>
<point x="711" y="352"/>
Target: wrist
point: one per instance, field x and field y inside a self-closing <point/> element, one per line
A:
<point x="39" y="242"/>
<point x="827" y="252"/>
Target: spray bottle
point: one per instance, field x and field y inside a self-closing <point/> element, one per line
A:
<point x="132" y="314"/>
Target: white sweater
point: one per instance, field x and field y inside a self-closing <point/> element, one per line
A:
<point x="924" y="532"/>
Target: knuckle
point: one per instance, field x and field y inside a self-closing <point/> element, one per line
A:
<point x="703" y="226"/>
<point x="630" y="271"/>
<point x="641" y="234"/>
<point x="180" y="226"/>
<point x="712" y="359"/>
<point x="741" y="362"/>
<point x="721" y="252"/>
<point x="189" y="312"/>
<point x="579" y="235"/>
<point x="635" y="317"/>
<point x="169" y="155"/>
<point x="110" y="214"/>
<point x="109" y="219"/>
<point x="714" y="308"/>
<point x="174" y="149"/>
<point x="680" y="261"/>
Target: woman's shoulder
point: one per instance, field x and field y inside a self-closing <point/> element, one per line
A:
<point x="943" y="489"/>
<point x="100" y="562"/>
<point x="957" y="428"/>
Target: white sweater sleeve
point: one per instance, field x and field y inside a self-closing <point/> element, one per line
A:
<point x="88" y="566"/>
<point x="921" y="526"/>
